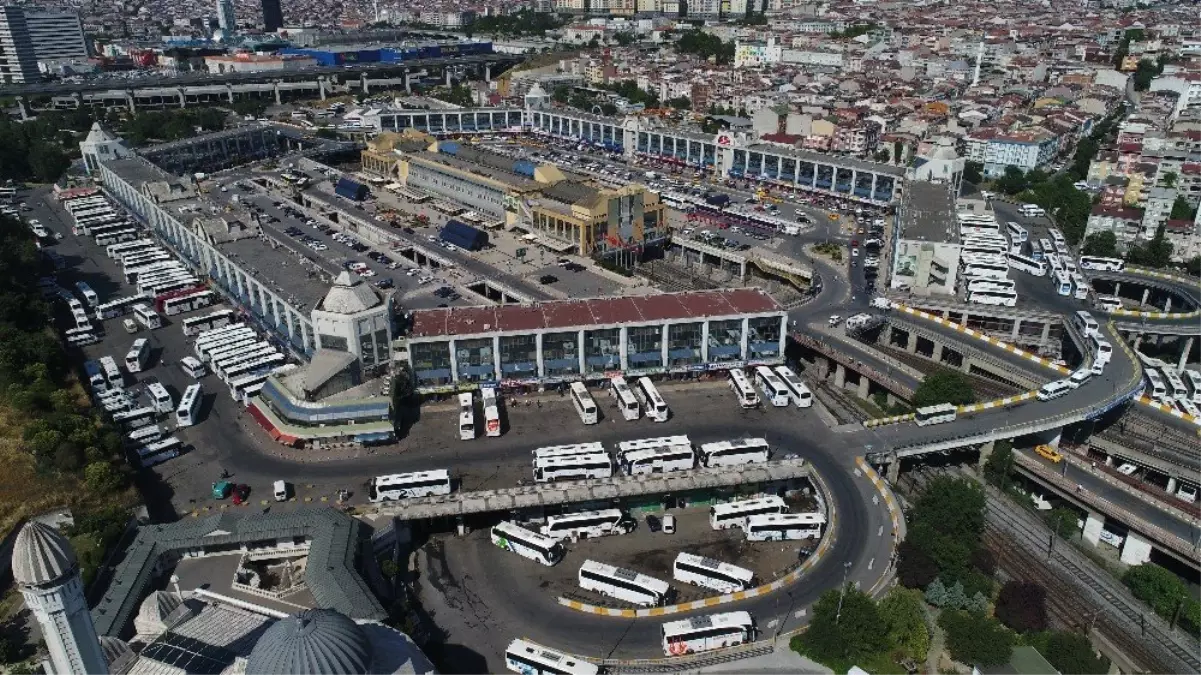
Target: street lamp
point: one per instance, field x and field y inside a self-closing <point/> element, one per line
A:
<point x="842" y="592"/>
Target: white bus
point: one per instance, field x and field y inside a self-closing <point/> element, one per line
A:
<point x="935" y="414"/>
<point x="997" y="298"/>
<point x="772" y="387"/>
<point x="656" y="408"/>
<point x="143" y="435"/>
<point x="189" y="406"/>
<point x="986" y="271"/>
<point x="118" y="307"/>
<point x="263" y="364"/>
<point x="1107" y="303"/>
<point x="242" y="388"/>
<point x="572" y="462"/>
<point x="159" y="451"/>
<point x="177" y="282"/>
<point x="623" y="584"/>
<point x="1053" y="390"/>
<point x="136" y="269"/>
<point x="118" y="252"/>
<point x="712" y="574"/>
<point x="994" y="248"/>
<point x="232" y="362"/>
<point x="510" y="536"/>
<point x="241" y="346"/>
<point x="1155" y="386"/>
<point x="89" y="296"/>
<point x="196" y="325"/>
<point x="528" y="658"/>
<point x="585" y="407"/>
<point x="1063" y="283"/>
<point x="1103" y="351"/>
<point x="408" y="485"/>
<point x="969" y="259"/>
<point x="235" y="340"/>
<point x="112" y="374"/>
<point x="991" y="285"/>
<point x="466" y="417"/>
<point x="656" y="455"/>
<point x="135" y="360"/>
<point x="784" y="526"/>
<point x="491" y="411"/>
<point x="1017" y="233"/>
<point x="147" y="317"/>
<point x="734" y="514"/>
<point x="588" y="524"/>
<point x="117" y="236"/>
<point x="1080" y="287"/>
<point x="741" y="385"/>
<point x="1193" y="378"/>
<point x="1091" y="262"/>
<point x="192" y="367"/>
<point x="1174" y="385"/>
<point x="626" y="401"/>
<point x="797" y="391"/>
<point x="1086" y="324"/>
<point x="1031" y="266"/>
<point x="131" y="263"/>
<point x="209" y="340"/>
<point x="738" y="452"/>
<point x="134" y="419"/>
<point x="160" y="398"/>
<point x="708" y="632"/>
<point x="188" y="302"/>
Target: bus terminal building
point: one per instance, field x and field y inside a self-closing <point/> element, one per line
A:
<point x="462" y="348"/>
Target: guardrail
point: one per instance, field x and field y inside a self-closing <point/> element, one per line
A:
<point x="862" y="368"/>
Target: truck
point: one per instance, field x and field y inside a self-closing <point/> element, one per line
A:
<point x="717" y="199"/>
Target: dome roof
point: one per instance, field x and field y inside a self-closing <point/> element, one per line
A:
<point x="349" y="295"/>
<point x="311" y="642"/>
<point x="41" y="555"/>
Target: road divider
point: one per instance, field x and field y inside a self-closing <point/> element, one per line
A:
<point x="894" y="513"/>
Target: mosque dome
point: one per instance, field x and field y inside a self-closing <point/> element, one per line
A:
<point x="311" y="642"/>
<point x="41" y="555"/>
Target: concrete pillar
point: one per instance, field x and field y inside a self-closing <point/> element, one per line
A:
<point x="496" y="374"/>
<point x="447" y="75"/>
<point x="183" y="99"/>
<point x="363" y="83"/>
<point x="891" y="398"/>
<point x="986" y="451"/>
<point x="1054" y="441"/>
<point x="460" y="526"/>
<point x="581" y="351"/>
<point x="1188" y="347"/>
<point x="937" y="353"/>
<point x="454" y="362"/>
<point x="623" y="347"/>
<point x="538" y="355"/>
<point x="487" y="72"/>
<point x="229" y="92"/>
<point x="1146" y="294"/>
<point x="1135" y="550"/>
<point x="840" y="375"/>
<point x="823" y="366"/>
<point x="966" y="366"/>
<point x="1046" y="332"/>
<point x="1017" y="330"/>
<point x="1117" y="289"/>
<point x="408" y="83"/>
<point x="23" y="108"/>
<point x="894" y="471"/>
<point x="1108" y="460"/>
<point x="1171" y="485"/>
<point x="1167" y="305"/>
<point x="275" y="90"/>
<point x="911" y="343"/>
<point x="1093" y="524"/>
<point x="865" y="387"/>
<point x="130" y="102"/>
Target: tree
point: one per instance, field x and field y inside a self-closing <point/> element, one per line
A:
<point x="898" y="154"/>
<point x="101" y="477"/>
<point x="914" y="568"/>
<point x="1169" y="179"/>
<point x="1069" y="653"/>
<point x="1194" y="265"/>
<point x="1062" y="521"/>
<point x="625" y="38"/>
<point x="1182" y="210"/>
<point x="947" y="522"/>
<point x="905" y="620"/>
<point x="1156" y="586"/>
<point x="944" y="386"/>
<point x="977" y="603"/>
<point x="1143" y="74"/>
<point x="561" y="94"/>
<point x="973" y="172"/>
<point x="998" y="468"/>
<point x="857" y="632"/>
<point x="936" y="593"/>
<point x="1022" y="606"/>
<point x="956" y="598"/>
<point x="1012" y="181"/>
<point x="976" y="639"/>
<point x="1104" y="244"/>
<point x="680" y="103"/>
<point x="985" y="561"/>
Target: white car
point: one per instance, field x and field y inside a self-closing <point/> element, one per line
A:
<point x="854" y="253"/>
<point x="1127" y="469"/>
<point x="834" y="320"/>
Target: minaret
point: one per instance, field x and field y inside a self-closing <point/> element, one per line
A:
<point x="47" y="573"/>
<point x="979" y="59"/>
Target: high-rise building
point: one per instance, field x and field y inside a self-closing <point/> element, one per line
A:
<point x="273" y="16"/>
<point x="47" y="572"/>
<point x="27" y="37"/>
<point x="226" y="19"/>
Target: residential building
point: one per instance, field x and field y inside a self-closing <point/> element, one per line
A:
<point x="1157" y="211"/>
<point x="754" y="53"/>
<point x="226" y="18"/>
<point x="1125" y="224"/>
<point x="29" y="36"/>
<point x="1025" y="150"/>
<point x="273" y="16"/>
<point x="18" y="64"/>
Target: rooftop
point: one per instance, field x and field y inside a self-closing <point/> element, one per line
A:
<point x="928" y="213"/>
<point x="582" y="313"/>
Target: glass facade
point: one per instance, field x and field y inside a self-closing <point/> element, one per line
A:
<point x="763" y="337"/>
<point x="519" y="356"/>
<point x="476" y="360"/>
<point x="644" y="347"/>
<point x="602" y="350"/>
<point x="684" y="344"/>
<point x="431" y="363"/>
<point x="725" y="340"/>
<point x="561" y="354"/>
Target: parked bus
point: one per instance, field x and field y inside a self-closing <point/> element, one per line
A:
<point x="241" y="389"/>
<point x="623" y="584"/>
<point x="741" y="385"/>
<point x="159" y="451"/>
<point x="112" y="374"/>
<point x="1091" y="262"/>
<point x="797" y="391"/>
<point x="627" y="403"/>
<point x="118" y="251"/>
<point x="147" y="317"/>
<point x="466" y="417"/>
<point x="135" y="261"/>
<point x="991" y="285"/>
<point x="241" y="345"/>
<point x="186" y="302"/>
<point x="117" y="236"/>
<point x="935" y="414"/>
<point x="708" y="632"/>
<point x="89" y="296"/>
<point x="196" y="325"/>
<point x="1107" y="303"/>
<point x="1080" y="286"/>
<point x="207" y="341"/>
<point x="1063" y="283"/>
<point x="737" y="452"/>
<point x="117" y="307"/>
<point x="409" y="485"/>
<point x="734" y="514"/>
<point x="1017" y="233"/>
<point x="1035" y="267"/>
<point x="986" y="271"/>
<point x="510" y="536"/>
<point x="242" y="358"/>
<point x="1155" y="386"/>
<point x="1193" y="378"/>
<point x="996" y="298"/>
<point x="784" y="526"/>
<point x="1174" y="384"/>
<point x="263" y="364"/>
<point x="192" y="367"/>
<point x="80" y="337"/>
<point x="143" y="435"/>
<point x="572" y="462"/>
<point x="528" y="658"/>
<point x="491" y="411"/>
<point x="712" y="574"/>
<point x="656" y="408"/>
<point x="135" y="360"/>
<point x="160" y="398"/>
<point x="136" y="269"/>
<point x="588" y="524"/>
<point x="585" y="407"/>
<point x="772" y="387"/>
<point x="656" y="455"/>
<point x="189" y="406"/>
<point x="1086" y="324"/>
<point x="236" y="341"/>
<point x="134" y="419"/>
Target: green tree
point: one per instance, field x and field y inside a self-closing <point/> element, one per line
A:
<point x="976" y="639"/>
<point x="1169" y="179"/>
<point x="1022" y="606"/>
<point x="947" y="523"/>
<point x="1146" y="71"/>
<point x="1155" y="254"/>
<point x="1103" y="244"/>
<point x="101" y="477"/>
<point x="973" y="172"/>
<point x="1193" y="266"/>
<point x="1013" y="181"/>
<point x="1069" y="653"/>
<point x="680" y="103"/>
<point x="1062" y="521"/>
<point x="1182" y="210"/>
<point x="943" y="386"/>
<point x="561" y="94"/>
<point x="882" y="155"/>
<point x="956" y="597"/>
<point x="898" y="152"/>
<point x="856" y="632"/>
<point x="936" y="593"/>
<point x="915" y="569"/>
<point x="625" y="38"/>
<point x="1162" y="590"/>
<point x="905" y="620"/>
<point x="998" y="468"/>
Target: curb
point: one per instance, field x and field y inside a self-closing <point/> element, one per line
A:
<point x="894" y="513"/>
<point x="1150" y="403"/>
<point x="786" y="580"/>
<point x="981" y="336"/>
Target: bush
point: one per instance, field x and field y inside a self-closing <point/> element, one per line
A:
<point x="1022" y="606"/>
<point x="944" y="386"/>
<point x="976" y="639"/>
<point x="914" y="568"/>
<point x="1069" y="653"/>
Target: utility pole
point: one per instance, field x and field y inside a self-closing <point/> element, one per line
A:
<point x="846" y="567"/>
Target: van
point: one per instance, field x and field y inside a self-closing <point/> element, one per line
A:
<point x="1053" y="390"/>
<point x="130" y="325"/>
<point x="281" y="491"/>
<point x="1098" y="367"/>
<point x="1078" y="378"/>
